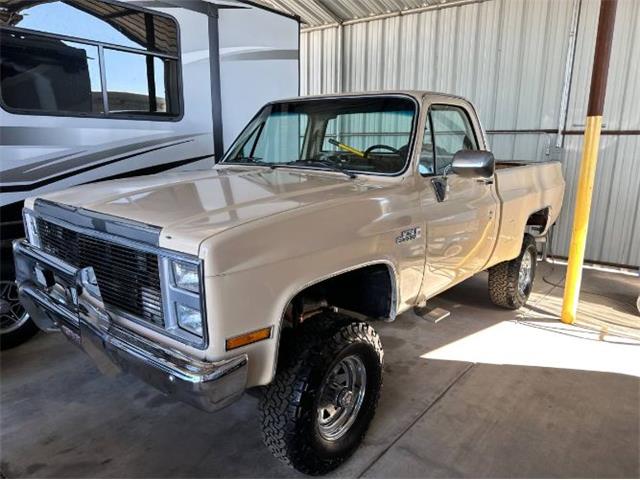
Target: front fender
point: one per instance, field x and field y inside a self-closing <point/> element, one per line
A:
<point x="252" y="299"/>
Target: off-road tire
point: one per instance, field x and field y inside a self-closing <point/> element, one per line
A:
<point x="503" y="278"/>
<point x="289" y="404"/>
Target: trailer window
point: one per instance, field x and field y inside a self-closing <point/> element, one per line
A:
<point x="94" y="20"/>
<point x="139" y="83"/>
<point x="90" y="58"/>
<point x="47" y="74"/>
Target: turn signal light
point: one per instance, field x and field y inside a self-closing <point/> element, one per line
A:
<point x="248" y="338"/>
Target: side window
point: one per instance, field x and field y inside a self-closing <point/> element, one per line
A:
<point x="426" y="164"/>
<point x="452" y="132"/>
<point x="51" y="55"/>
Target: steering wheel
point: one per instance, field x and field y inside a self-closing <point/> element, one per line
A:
<point x="381" y="147"/>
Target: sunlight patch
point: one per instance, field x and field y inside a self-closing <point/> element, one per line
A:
<point x="543" y="344"/>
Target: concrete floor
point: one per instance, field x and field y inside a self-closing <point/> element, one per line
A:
<point x="483" y="393"/>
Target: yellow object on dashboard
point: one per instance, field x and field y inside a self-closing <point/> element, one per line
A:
<point x="347" y="148"/>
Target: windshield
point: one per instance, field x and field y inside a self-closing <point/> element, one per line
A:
<point x="365" y="135"/>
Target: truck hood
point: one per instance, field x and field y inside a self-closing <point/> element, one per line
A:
<point x="192" y="206"/>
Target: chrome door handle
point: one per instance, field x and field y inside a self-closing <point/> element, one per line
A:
<point x="485" y="181"/>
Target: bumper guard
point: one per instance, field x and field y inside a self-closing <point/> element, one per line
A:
<point x="59" y="296"/>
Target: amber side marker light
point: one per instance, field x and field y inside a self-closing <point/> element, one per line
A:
<point x="248" y="338"/>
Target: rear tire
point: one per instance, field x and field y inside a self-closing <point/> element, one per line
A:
<point x="510" y="283"/>
<point x="317" y="410"/>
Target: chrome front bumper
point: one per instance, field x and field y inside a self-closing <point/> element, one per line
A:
<point x="59" y="296"/>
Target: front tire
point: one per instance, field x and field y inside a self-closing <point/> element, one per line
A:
<point x="317" y="410"/>
<point x="510" y="283"/>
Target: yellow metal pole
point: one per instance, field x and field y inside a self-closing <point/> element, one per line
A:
<point x="589" y="160"/>
<point x="581" y="218"/>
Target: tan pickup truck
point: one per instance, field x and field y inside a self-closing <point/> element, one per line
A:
<point x="258" y="273"/>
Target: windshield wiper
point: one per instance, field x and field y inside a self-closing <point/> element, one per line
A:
<point x="308" y="161"/>
<point x="324" y="163"/>
<point x="253" y="161"/>
<point x="257" y="160"/>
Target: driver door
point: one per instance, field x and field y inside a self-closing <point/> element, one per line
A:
<point x="461" y="226"/>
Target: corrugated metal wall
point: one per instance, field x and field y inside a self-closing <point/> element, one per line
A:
<point x="509" y="58"/>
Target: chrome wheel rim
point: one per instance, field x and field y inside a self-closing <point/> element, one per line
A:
<point x="341" y="397"/>
<point x="12" y="313"/>
<point x="525" y="273"/>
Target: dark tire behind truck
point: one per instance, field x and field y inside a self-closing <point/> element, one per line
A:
<point x="15" y="328"/>
<point x="317" y="409"/>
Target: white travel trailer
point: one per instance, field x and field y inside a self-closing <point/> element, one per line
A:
<point x="93" y="90"/>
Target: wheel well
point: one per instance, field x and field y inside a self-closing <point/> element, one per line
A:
<point x="368" y="291"/>
<point x="538" y="222"/>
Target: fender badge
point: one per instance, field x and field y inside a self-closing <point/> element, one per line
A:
<point x="408" y="235"/>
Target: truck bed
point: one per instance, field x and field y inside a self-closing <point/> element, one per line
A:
<point x="524" y="189"/>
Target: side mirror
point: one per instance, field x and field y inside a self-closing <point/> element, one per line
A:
<point x="473" y="164"/>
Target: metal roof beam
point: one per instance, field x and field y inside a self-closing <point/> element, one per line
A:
<point x="331" y="11"/>
<point x="312" y="12"/>
<point x="397" y="13"/>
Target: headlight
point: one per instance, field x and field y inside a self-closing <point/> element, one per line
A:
<point x="186" y="276"/>
<point x="31" y="228"/>
<point x="183" y="303"/>
<point x="189" y="319"/>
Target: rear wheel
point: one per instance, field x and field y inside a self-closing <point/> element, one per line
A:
<point x="510" y="283"/>
<point x="317" y="410"/>
<point x="15" y="325"/>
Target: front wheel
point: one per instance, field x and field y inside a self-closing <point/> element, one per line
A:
<point x="510" y="283"/>
<point x="317" y="410"/>
<point x="15" y="325"/>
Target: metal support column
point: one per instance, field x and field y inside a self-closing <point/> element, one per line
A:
<point x="589" y="159"/>
<point x="216" y="87"/>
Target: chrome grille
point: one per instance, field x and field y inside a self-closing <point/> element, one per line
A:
<point x="129" y="279"/>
